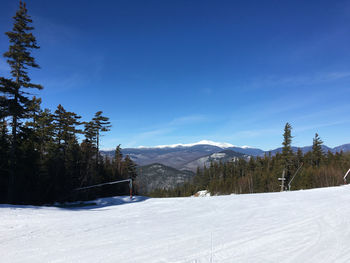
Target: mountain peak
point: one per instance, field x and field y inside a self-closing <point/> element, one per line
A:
<point x="202" y="142"/>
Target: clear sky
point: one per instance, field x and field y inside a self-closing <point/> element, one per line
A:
<point x="173" y="71"/>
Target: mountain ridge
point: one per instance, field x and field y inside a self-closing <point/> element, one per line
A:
<point x="159" y="176"/>
<point x="202" y="142"/>
<point x="180" y="156"/>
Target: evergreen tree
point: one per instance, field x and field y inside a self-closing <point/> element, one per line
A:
<point x="64" y="156"/>
<point x="287" y="147"/>
<point x="65" y="124"/>
<point x="299" y="157"/>
<point x="41" y="160"/>
<point x="317" y="152"/>
<point x="129" y="168"/>
<point x="22" y="41"/>
<point x="88" y="148"/>
<point x="287" y="152"/>
<point x="102" y="124"/>
<point x="118" y="160"/>
<point x="90" y="133"/>
<point x="45" y="130"/>
<point x="4" y="160"/>
<point x="15" y="101"/>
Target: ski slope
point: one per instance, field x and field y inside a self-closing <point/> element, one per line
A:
<point x="300" y="226"/>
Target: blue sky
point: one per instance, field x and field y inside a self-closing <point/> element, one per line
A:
<point x="176" y="71"/>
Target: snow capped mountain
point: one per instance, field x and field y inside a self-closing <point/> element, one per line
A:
<point x="202" y="142"/>
<point x="244" y="147"/>
<point x="188" y="156"/>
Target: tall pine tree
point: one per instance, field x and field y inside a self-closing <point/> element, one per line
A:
<point x="317" y="153"/>
<point x="102" y="124"/>
<point x="287" y="152"/>
<point x="16" y="101"/>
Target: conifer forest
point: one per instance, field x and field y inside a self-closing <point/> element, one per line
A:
<point x="174" y="131"/>
<point x="41" y="158"/>
<point x="313" y="169"/>
<point x="45" y="155"/>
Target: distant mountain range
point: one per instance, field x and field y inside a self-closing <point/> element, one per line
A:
<point x="176" y="157"/>
<point x="167" y="166"/>
<point x="190" y="156"/>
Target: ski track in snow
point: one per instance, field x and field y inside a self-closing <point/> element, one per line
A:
<point x="299" y="226"/>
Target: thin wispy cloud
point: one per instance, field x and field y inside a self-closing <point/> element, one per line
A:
<point x="338" y="110"/>
<point x="187" y="84"/>
<point x="153" y="133"/>
<point x="315" y="126"/>
<point x="246" y="135"/>
<point x="185" y="120"/>
<point x="61" y="84"/>
<point x="166" y="129"/>
<point x="207" y="91"/>
<point x="54" y="33"/>
<point x="337" y="75"/>
<point x="277" y="81"/>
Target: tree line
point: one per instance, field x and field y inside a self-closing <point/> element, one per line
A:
<point x="42" y="159"/>
<point x="315" y="168"/>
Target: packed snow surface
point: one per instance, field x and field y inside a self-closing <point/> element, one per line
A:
<point x="300" y="226"/>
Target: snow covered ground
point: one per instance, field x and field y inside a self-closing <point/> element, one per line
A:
<point x="300" y="226"/>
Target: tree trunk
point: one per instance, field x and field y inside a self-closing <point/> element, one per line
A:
<point x="13" y="156"/>
<point x="97" y="148"/>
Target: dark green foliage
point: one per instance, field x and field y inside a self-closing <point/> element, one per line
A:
<point x="317" y="153"/>
<point x="129" y="168"/>
<point x="41" y="159"/>
<point x="51" y="163"/>
<point x="15" y="102"/>
<point x="287" y="152"/>
<point x="287" y="141"/>
<point x="101" y="124"/>
<point x="19" y="58"/>
<point x="118" y="160"/>
<point x="261" y="174"/>
<point x="4" y="159"/>
<point x="65" y="127"/>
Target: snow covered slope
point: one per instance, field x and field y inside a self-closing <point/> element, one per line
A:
<point x="300" y="226"/>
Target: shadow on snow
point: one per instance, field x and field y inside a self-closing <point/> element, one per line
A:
<point x="86" y="205"/>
